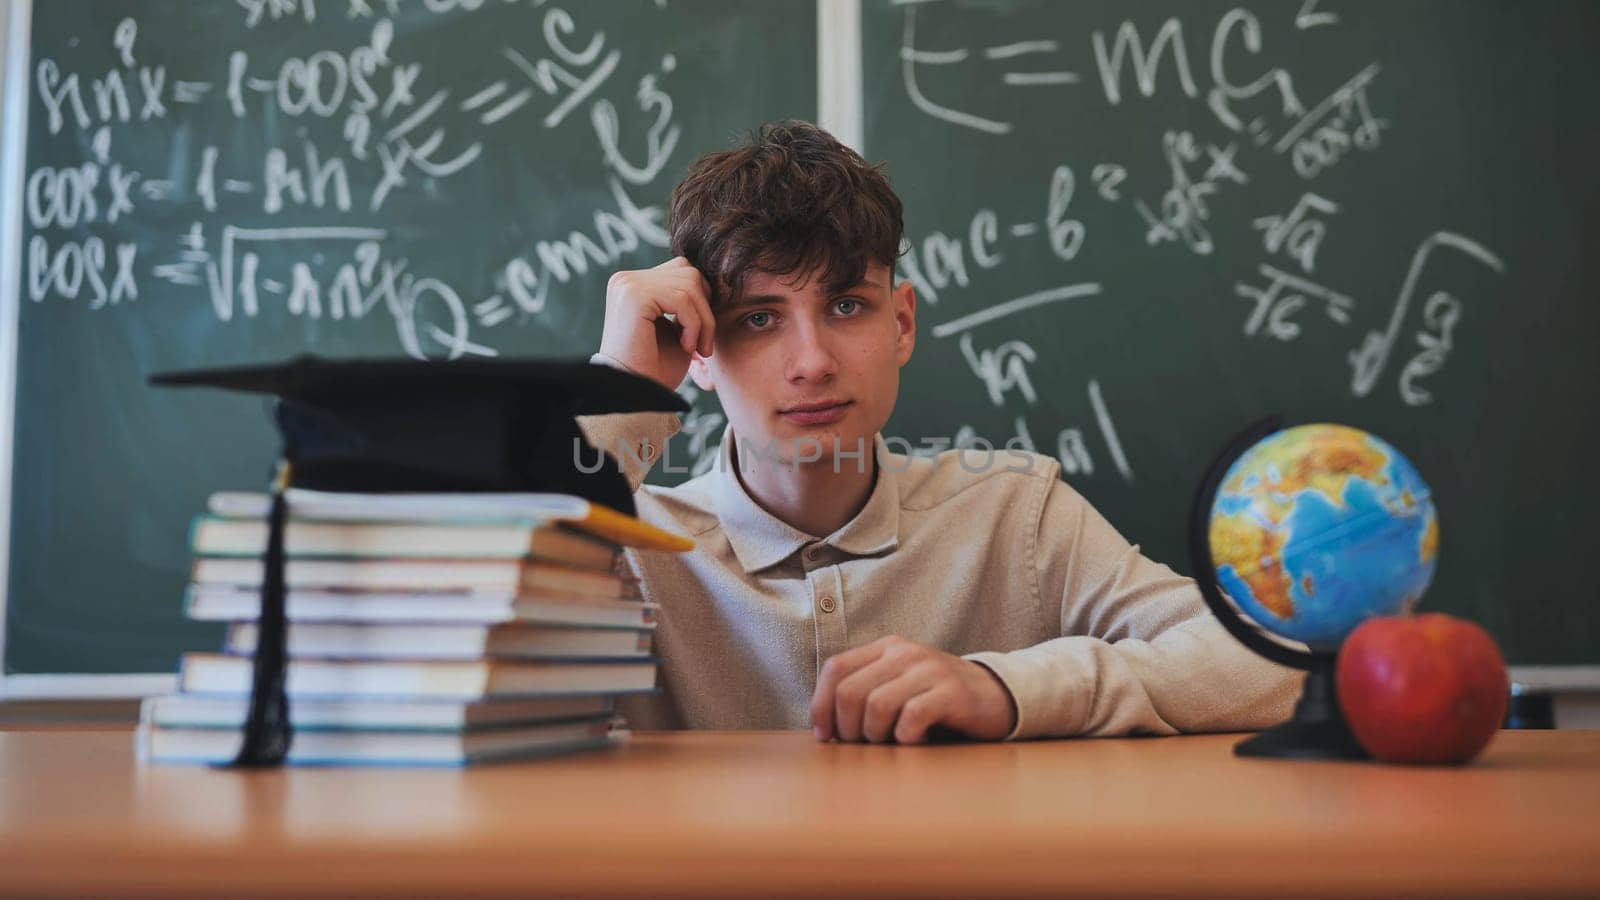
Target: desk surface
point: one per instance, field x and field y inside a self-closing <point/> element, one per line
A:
<point x="768" y="813"/>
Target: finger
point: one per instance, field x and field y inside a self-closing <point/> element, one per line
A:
<point x="674" y="305"/>
<point x="885" y="702"/>
<point x="922" y="712"/>
<point x="702" y="301"/>
<point x="835" y="669"/>
<point x="677" y="262"/>
<point x="698" y="291"/>
<point x="695" y="307"/>
<point x="850" y="698"/>
<point x="689" y="320"/>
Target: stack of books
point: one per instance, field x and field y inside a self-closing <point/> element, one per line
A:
<point x="423" y="629"/>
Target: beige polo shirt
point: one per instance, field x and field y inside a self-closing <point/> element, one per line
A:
<point x="1003" y="564"/>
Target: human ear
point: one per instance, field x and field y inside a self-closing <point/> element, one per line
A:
<point x="904" y="299"/>
<point x="700" y="371"/>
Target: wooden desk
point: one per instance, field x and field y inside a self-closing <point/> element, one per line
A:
<point x="770" y="813"/>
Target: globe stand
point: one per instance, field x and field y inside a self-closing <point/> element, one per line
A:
<point x="1317" y="729"/>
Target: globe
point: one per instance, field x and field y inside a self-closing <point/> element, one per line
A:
<point x="1316" y="528"/>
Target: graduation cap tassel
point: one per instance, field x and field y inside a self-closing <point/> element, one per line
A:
<point x="266" y="731"/>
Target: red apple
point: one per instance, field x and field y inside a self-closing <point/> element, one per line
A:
<point x="1426" y="688"/>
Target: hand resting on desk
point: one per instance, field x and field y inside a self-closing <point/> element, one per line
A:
<point x="899" y="689"/>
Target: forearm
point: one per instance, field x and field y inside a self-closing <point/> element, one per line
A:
<point x="1192" y="677"/>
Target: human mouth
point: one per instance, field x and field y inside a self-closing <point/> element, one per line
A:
<point x="816" y="413"/>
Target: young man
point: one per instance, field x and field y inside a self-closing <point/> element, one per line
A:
<point x="837" y="586"/>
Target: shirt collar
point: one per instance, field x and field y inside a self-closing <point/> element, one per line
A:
<point x="760" y="539"/>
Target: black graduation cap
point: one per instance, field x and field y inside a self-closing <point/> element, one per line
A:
<point x="401" y="425"/>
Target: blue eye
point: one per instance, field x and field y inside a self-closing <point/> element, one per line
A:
<point x="854" y="305"/>
<point x="758" y="319"/>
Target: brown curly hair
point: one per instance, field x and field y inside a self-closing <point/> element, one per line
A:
<point x="791" y="200"/>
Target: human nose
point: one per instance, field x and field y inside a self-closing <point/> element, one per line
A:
<point x="810" y="356"/>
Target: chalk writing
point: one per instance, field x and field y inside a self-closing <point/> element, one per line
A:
<point x="323" y="216"/>
<point x="1184" y="207"/>
<point x="1298" y="232"/>
<point x="1072" y="447"/>
<point x="396" y="128"/>
<point x="1127" y="46"/>
<point x="1285" y="295"/>
<point x="1341" y="121"/>
<point x="1441" y="313"/>
<point x="1002" y="369"/>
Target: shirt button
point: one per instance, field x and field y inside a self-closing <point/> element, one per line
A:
<point x="827" y="604"/>
<point x="813" y="553"/>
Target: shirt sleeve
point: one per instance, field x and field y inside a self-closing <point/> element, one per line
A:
<point x="635" y="440"/>
<point x="1138" y="652"/>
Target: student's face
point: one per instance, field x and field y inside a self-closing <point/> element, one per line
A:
<point x="789" y="346"/>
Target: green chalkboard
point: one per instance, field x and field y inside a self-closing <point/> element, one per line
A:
<point x="1137" y="228"/>
<point x="225" y="182"/>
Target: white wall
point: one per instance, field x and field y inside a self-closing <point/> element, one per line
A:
<point x="839" y="70"/>
<point x="13" y="116"/>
